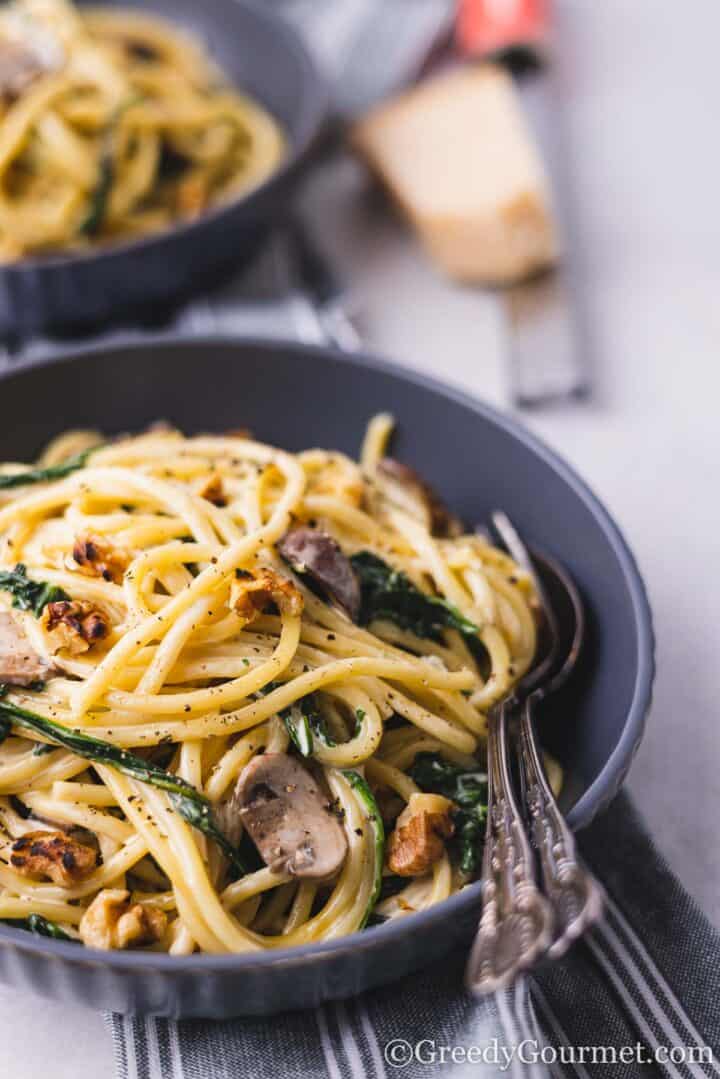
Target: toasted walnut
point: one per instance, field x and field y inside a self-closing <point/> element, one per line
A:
<point x="211" y="488"/>
<point x="54" y="855"/>
<point x="250" y="596"/>
<point x="113" y="921"/>
<point x="192" y="195"/>
<point x="420" y="831"/>
<point x="97" y="557"/>
<point x="75" y="624"/>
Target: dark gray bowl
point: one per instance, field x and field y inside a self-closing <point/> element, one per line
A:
<point x="298" y="396"/>
<point x="261" y="54"/>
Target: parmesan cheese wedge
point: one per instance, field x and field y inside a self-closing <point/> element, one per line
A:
<point x="456" y="154"/>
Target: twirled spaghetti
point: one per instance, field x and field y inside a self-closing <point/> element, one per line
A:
<point x="206" y="607"/>
<point x="114" y="124"/>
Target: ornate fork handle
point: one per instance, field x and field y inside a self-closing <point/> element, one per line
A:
<point x="516" y="922"/>
<point x="574" y="894"/>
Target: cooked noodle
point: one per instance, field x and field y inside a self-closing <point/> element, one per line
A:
<point x="184" y="680"/>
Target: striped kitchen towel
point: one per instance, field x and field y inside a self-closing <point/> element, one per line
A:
<point x="638" y="997"/>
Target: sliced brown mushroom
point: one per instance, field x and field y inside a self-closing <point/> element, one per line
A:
<point x="19" y="67"/>
<point x="289" y="817"/>
<point x="20" y="664"/>
<point x="315" y="553"/>
<point x="410" y="491"/>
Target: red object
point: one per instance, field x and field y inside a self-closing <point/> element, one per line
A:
<point x="484" y="27"/>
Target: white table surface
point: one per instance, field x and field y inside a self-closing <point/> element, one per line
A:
<point x="642" y="81"/>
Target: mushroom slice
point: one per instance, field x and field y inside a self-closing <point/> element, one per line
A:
<point x="289" y="817"/>
<point x="406" y="487"/>
<point x="315" y="553"/>
<point x="20" y="664"/>
<point x="20" y="66"/>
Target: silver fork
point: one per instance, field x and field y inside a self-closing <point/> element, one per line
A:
<point x="516" y="924"/>
<point x="520" y="922"/>
<point x="575" y="895"/>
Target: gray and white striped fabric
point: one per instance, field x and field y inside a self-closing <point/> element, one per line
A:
<point x="640" y="996"/>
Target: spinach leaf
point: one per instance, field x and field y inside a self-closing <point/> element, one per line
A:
<point x="45" y="475"/>
<point x="388" y="593"/>
<point x="367" y="799"/>
<point x="99" y="196"/>
<point x="468" y="790"/>
<point x="305" y="718"/>
<point x="42" y="749"/>
<point x="318" y="723"/>
<point x="192" y="806"/>
<point x="298" y="727"/>
<point x="29" y="595"/>
<point x="42" y="927"/>
<point x="302" y="719"/>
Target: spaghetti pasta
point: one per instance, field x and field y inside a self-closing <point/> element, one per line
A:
<point x="114" y="124"/>
<point x="369" y="663"/>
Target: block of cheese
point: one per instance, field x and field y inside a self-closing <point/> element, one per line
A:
<point x="457" y="155"/>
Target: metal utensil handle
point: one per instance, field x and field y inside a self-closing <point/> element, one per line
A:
<point x="574" y="894"/>
<point x="516" y="921"/>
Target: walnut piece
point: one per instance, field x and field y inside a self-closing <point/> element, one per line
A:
<point x="113" y="921"/>
<point x="418" y="839"/>
<point x="211" y="489"/>
<point x="75" y="624"/>
<point x="250" y="596"/>
<point x="54" y="855"/>
<point x="97" y="557"/>
<point x="191" y="195"/>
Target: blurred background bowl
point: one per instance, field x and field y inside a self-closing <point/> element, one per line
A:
<point x="261" y="54"/>
<point x="299" y="396"/>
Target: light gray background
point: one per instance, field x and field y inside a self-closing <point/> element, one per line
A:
<point x="642" y="84"/>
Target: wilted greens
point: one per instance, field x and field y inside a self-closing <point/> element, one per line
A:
<point x="388" y="593"/>
<point x="42" y="927"/>
<point x="29" y="595"/>
<point x="302" y="720"/>
<point x="192" y="806"/>
<point x="367" y="798"/>
<point x="45" y="475"/>
<point x="469" y="792"/>
<point x="99" y="196"/>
